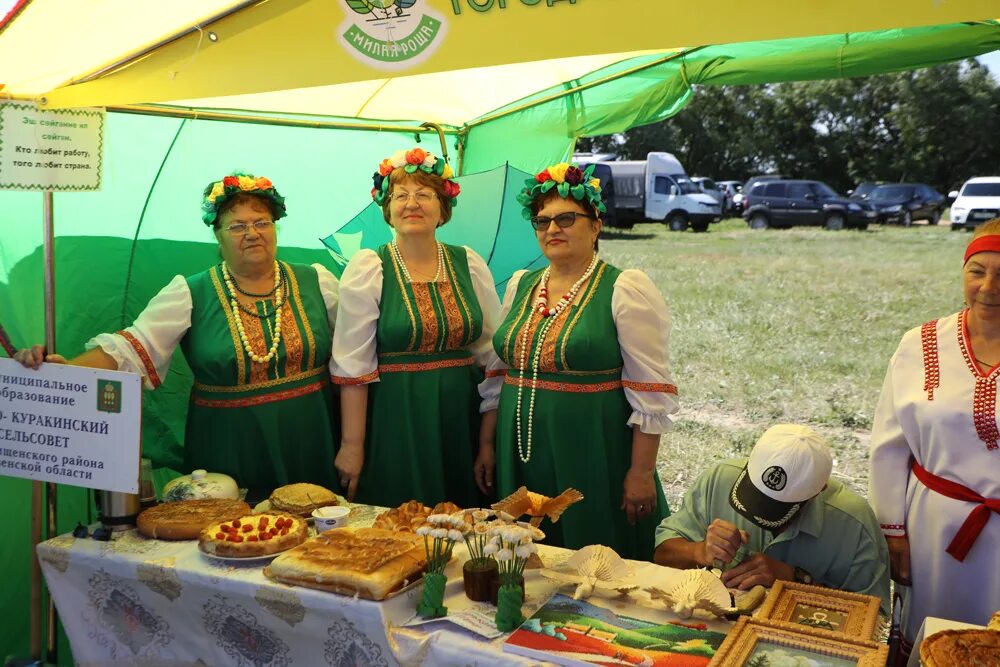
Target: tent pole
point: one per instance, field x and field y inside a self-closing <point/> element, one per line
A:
<point x="440" y="132"/>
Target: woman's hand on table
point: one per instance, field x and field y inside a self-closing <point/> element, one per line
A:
<point x="758" y="570"/>
<point x="350" y="459"/>
<point x="33" y="357"/>
<point x="639" y="498"/>
<point x="899" y="559"/>
<point x="483" y="468"/>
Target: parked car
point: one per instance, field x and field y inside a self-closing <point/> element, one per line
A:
<point x="905" y="202"/>
<point x="753" y="180"/>
<point x="785" y="203"/>
<point x="709" y="187"/>
<point x="863" y="190"/>
<point x="733" y="190"/>
<point x="977" y="202"/>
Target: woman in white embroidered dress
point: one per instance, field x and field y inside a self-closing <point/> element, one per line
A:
<point x="935" y="462"/>
<point x="583" y="348"/>
<point x="417" y="318"/>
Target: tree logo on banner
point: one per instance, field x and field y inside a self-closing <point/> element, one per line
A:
<point x="391" y="34"/>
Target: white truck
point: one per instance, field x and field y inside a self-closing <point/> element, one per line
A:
<point x="658" y="189"/>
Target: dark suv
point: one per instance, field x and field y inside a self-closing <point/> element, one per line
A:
<point x="905" y="202"/>
<point x="785" y="203"/>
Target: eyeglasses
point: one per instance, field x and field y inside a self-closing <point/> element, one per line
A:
<point x="259" y="226"/>
<point x="421" y="196"/>
<point x="563" y="220"/>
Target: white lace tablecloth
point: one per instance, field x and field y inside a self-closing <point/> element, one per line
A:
<point x="151" y="603"/>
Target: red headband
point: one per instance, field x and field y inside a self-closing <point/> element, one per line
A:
<point x="985" y="243"/>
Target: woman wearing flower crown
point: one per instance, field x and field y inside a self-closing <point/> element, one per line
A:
<point x="417" y="318"/>
<point x="257" y="334"/>
<point x="587" y="388"/>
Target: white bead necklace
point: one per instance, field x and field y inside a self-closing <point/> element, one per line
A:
<point x="548" y="316"/>
<point x="406" y="272"/>
<point x="279" y="304"/>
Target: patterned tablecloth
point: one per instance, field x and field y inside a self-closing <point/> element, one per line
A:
<point x="136" y="601"/>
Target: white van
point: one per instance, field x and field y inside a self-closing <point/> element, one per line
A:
<point x="977" y="202"/>
<point x="658" y="188"/>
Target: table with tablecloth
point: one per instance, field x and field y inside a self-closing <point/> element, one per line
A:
<point x="137" y="601"/>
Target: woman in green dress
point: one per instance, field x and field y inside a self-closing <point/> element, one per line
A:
<point x="257" y="334"/>
<point x="417" y="320"/>
<point x="587" y="390"/>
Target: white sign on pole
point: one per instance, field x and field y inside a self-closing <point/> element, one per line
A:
<point x="57" y="150"/>
<point x="70" y="425"/>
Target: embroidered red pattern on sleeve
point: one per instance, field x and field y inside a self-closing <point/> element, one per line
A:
<point x="147" y="363"/>
<point x="984" y="400"/>
<point x="364" y="379"/>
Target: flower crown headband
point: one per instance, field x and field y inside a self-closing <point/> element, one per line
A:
<point x="410" y="161"/>
<point x="568" y="180"/>
<point x="216" y="194"/>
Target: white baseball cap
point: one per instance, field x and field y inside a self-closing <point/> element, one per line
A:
<point x="789" y="465"/>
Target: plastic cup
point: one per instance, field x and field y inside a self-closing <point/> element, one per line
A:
<point x="328" y="518"/>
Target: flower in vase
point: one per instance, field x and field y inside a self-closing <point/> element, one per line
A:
<point x="525" y="550"/>
<point x="491" y="548"/>
<point x="505" y="555"/>
<point x="455" y="535"/>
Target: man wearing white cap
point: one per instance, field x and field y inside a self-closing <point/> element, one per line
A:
<point x="778" y="515"/>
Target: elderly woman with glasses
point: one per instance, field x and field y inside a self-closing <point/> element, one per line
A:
<point x="587" y="388"/>
<point x="257" y="334"/>
<point x="416" y="323"/>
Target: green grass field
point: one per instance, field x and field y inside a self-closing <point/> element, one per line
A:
<point x="786" y="326"/>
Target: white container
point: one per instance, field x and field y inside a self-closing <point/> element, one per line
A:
<point x="201" y="484"/>
<point x="328" y="518"/>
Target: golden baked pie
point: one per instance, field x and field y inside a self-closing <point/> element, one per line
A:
<point x="368" y="562"/>
<point x="184" y="519"/>
<point x="411" y="515"/>
<point x="253" y="535"/>
<point x="302" y="498"/>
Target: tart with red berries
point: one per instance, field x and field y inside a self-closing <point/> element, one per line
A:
<point x="253" y="536"/>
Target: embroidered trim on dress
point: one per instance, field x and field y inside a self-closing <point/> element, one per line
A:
<point x="147" y="362"/>
<point x="426" y="365"/>
<point x="349" y="381"/>
<point x="496" y="374"/>
<point x="262" y="385"/>
<point x="650" y="386"/>
<point x="258" y="400"/>
<point x="929" y="346"/>
<point x="984" y="399"/>
<point x="588" y="388"/>
<point x="306" y="326"/>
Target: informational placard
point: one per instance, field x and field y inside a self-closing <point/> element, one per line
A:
<point x="70" y="425"/>
<point x="50" y="150"/>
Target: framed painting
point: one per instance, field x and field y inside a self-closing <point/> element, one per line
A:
<point x="764" y="643"/>
<point x="851" y="614"/>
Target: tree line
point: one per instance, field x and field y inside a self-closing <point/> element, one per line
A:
<point x="937" y="126"/>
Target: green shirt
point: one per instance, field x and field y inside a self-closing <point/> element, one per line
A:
<point x="835" y="538"/>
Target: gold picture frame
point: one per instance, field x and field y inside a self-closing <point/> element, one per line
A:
<point x="754" y="641"/>
<point x="817" y="608"/>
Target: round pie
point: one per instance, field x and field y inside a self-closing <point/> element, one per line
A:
<point x="302" y="498"/>
<point x="253" y="535"/>
<point x="970" y="648"/>
<point x="184" y="519"/>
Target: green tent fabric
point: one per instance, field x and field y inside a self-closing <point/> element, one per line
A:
<point x="117" y="247"/>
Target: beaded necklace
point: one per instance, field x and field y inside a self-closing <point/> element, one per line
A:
<point x="548" y="316"/>
<point x="279" y="303"/>
<point x="406" y="273"/>
<point x="279" y="297"/>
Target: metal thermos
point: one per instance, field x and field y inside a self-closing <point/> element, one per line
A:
<point x="117" y="511"/>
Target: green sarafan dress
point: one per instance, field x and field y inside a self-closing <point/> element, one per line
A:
<point x="581" y="433"/>
<point x="419" y="348"/>
<point x="265" y="424"/>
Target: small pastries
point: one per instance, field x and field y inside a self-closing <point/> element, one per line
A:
<point x="185" y="519"/>
<point x="367" y="562"/>
<point x="302" y="498"/>
<point x="253" y="535"/>
<point x="536" y="505"/>
<point x="411" y="515"/>
<point x="949" y="648"/>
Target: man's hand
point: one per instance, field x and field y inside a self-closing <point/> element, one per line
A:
<point x="899" y="559"/>
<point x="758" y="570"/>
<point x="722" y="541"/>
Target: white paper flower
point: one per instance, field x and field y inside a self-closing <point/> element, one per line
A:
<point x="454" y="536"/>
<point x="481" y="515"/>
<point x="424" y="530"/>
<point x="439" y="518"/>
<point x="398" y="159"/>
<point x="491" y="549"/>
<point x="458" y="521"/>
<point x="430" y="160"/>
<point x="439" y="533"/>
<point x="536" y="534"/>
<point x="505" y="554"/>
<point x="503" y="516"/>
<point x="481" y="529"/>
<point x="523" y="551"/>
